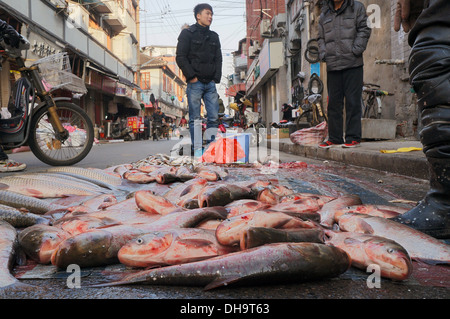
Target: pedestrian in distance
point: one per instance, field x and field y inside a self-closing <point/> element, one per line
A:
<point x="343" y="37"/>
<point x="199" y="57"/>
<point x="428" y="25"/>
<point x="12" y="38"/>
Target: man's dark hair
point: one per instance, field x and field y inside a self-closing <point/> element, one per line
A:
<point x="200" y="7"/>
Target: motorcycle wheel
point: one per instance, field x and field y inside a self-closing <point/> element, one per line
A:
<point x="43" y="140"/>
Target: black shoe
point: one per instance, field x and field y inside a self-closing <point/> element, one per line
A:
<point x="429" y="217"/>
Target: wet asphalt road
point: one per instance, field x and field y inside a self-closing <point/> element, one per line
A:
<point x="374" y="187"/>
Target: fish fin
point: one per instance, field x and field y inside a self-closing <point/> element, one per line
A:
<point x="431" y="261"/>
<point x="221" y="282"/>
<point x="364" y="227"/>
<point x="4" y="186"/>
<point x="197" y="243"/>
<point x="351" y="241"/>
<point x="107" y="226"/>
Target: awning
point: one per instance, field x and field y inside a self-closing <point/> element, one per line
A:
<point x="132" y="104"/>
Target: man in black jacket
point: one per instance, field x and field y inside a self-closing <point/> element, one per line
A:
<point x="429" y="69"/>
<point x="199" y="57"/>
<point x="343" y="37"/>
<point x="11" y="38"/>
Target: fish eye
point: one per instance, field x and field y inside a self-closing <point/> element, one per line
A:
<point x="390" y="250"/>
<point x="139" y="241"/>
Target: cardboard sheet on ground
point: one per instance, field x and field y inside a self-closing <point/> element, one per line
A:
<point x="222" y="151"/>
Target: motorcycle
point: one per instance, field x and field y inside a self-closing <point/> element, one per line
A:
<point x="121" y="131"/>
<point x="58" y="132"/>
<point x="246" y="120"/>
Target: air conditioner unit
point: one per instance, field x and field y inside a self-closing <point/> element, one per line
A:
<point x="266" y="28"/>
<point x="256" y="46"/>
<point x="251" y="52"/>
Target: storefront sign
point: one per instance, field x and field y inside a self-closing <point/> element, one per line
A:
<point x="135" y="122"/>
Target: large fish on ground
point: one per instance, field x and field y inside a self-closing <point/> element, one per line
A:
<point x="95" y="176"/>
<point x="223" y="194"/>
<point x="329" y="209"/>
<point x="19" y="218"/>
<point x="40" y="188"/>
<point x="229" y="232"/>
<point x="365" y="250"/>
<point x="243" y="206"/>
<point x="171" y="247"/>
<point x="152" y="203"/>
<point x="258" y="236"/>
<point x="8" y="255"/>
<point x="40" y="241"/>
<point x="418" y="245"/>
<point x="100" y="246"/>
<point x="306" y="208"/>
<point x="321" y="199"/>
<point x="384" y="211"/>
<point x="34" y="205"/>
<point x="268" y="264"/>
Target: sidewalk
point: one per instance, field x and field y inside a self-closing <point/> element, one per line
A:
<point x="411" y="163"/>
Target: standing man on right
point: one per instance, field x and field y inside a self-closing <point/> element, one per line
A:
<point x="343" y="37"/>
<point x="429" y="69"/>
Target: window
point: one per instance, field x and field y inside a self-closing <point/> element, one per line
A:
<point x="145" y="81"/>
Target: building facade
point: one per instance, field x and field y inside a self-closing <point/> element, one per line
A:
<point x="278" y="33"/>
<point x="162" y="82"/>
<point x="101" y="39"/>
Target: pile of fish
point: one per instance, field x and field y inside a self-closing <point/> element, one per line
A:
<point x="180" y="222"/>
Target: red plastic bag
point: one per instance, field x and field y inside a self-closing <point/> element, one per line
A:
<point x="223" y="150"/>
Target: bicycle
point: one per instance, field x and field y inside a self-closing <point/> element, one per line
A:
<point x="312" y="111"/>
<point x="58" y="132"/>
<point x="371" y="100"/>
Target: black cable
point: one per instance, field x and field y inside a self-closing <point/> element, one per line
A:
<point x="312" y="51"/>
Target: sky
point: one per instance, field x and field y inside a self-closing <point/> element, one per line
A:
<point x="162" y="20"/>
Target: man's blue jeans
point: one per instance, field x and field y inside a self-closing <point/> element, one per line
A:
<point x="195" y="93"/>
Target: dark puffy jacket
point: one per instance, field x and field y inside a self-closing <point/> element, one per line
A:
<point x="199" y="54"/>
<point x="343" y="35"/>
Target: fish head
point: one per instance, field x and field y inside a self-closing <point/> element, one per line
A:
<point x="393" y="260"/>
<point x="229" y="231"/>
<point x="91" y="248"/>
<point x="144" y="250"/>
<point x="40" y="241"/>
<point x="353" y="222"/>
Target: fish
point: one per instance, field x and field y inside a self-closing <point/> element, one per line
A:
<point x="40" y="241"/>
<point x="181" y="189"/>
<point x="306" y="208"/>
<point x="139" y="177"/>
<point x="9" y="254"/>
<point x="62" y="179"/>
<point x="171" y="247"/>
<point x="223" y="194"/>
<point x="20" y="219"/>
<point x="258" y="236"/>
<point x="365" y="250"/>
<point x="329" y="209"/>
<point x="268" y="264"/>
<point x="95" y="176"/>
<point x="321" y="199"/>
<point x="32" y="204"/>
<point x="152" y="203"/>
<point x="243" y="206"/>
<point x="98" y="247"/>
<point x="40" y="188"/>
<point x="385" y="211"/>
<point x="190" y="193"/>
<point x="419" y="245"/>
<point x="267" y="196"/>
<point x="80" y="224"/>
<point x="229" y="232"/>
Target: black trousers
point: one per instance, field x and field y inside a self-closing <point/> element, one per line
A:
<point x="429" y="67"/>
<point x="346" y="84"/>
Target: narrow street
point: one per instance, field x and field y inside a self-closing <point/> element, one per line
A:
<point x="327" y="178"/>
